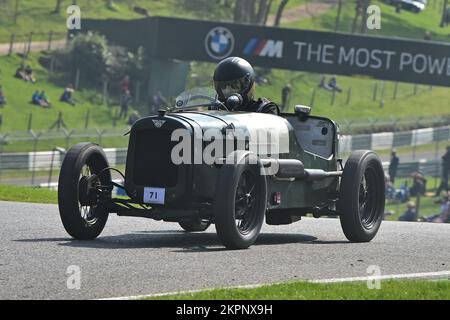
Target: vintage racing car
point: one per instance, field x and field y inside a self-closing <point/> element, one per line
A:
<point x="199" y="164"/>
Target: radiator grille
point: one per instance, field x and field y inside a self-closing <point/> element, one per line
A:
<point x="153" y="166"/>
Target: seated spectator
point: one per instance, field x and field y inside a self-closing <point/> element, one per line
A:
<point x="20" y="73"/>
<point x="410" y="213"/>
<point x="419" y="185"/>
<point x="333" y="84"/>
<point x="135" y="116"/>
<point x="35" y="99"/>
<point x="323" y="84"/>
<point x="43" y="100"/>
<point x="29" y="74"/>
<point x="67" y="95"/>
<point x="444" y="213"/>
<point x="2" y="98"/>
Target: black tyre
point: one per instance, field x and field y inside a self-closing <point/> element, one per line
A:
<point x="240" y="200"/>
<point x="80" y="215"/>
<point x="362" y="196"/>
<point x="194" y="225"/>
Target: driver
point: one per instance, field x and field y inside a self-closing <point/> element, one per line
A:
<point x="236" y="75"/>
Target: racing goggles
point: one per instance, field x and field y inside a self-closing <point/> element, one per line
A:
<point x="227" y="88"/>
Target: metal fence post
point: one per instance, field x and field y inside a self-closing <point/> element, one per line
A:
<point x="11" y="43"/>
<point x="61" y="152"/>
<point x="2" y="144"/>
<point x="100" y="134"/>
<point x="30" y="40"/>
<point x="349" y="96"/>
<point x="86" y="119"/>
<point x="313" y="98"/>
<point x="30" y="121"/>
<point x="395" y="91"/>
<point x="50" y="38"/>
<point x="375" y="91"/>
<point x="67" y="135"/>
<point x="35" y="142"/>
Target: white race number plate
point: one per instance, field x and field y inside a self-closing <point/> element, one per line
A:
<point x="154" y="195"/>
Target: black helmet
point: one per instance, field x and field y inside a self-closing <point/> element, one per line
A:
<point x="234" y="75"/>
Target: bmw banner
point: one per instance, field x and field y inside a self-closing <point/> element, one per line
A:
<point x="394" y="59"/>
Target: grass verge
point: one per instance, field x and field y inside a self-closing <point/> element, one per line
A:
<point x="397" y="290"/>
<point x="27" y="194"/>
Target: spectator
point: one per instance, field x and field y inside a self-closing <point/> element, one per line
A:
<point x="444" y="214"/>
<point x="410" y="213"/>
<point x="393" y="166"/>
<point x="67" y="95"/>
<point x="158" y="101"/>
<point x="43" y="100"/>
<point x="323" y="84"/>
<point x="2" y="98"/>
<point x="125" y="84"/>
<point x="285" y="96"/>
<point x="29" y="74"/>
<point x="125" y="101"/>
<point x="20" y="73"/>
<point x="333" y="84"/>
<point x="445" y="173"/>
<point x="427" y="36"/>
<point x="135" y="116"/>
<point x="419" y="185"/>
<point x="35" y="99"/>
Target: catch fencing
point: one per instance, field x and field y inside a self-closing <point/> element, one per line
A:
<point x="38" y="167"/>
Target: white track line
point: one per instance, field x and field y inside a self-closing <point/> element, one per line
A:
<point x="386" y="277"/>
<point x="438" y="274"/>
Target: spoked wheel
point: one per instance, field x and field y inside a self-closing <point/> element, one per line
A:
<point x="362" y="196"/>
<point x="240" y="201"/>
<point x="81" y="191"/>
<point x="244" y="202"/>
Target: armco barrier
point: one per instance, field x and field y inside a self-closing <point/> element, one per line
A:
<point x="35" y="161"/>
<point x="388" y="140"/>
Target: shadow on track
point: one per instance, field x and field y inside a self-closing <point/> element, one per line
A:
<point x="183" y="241"/>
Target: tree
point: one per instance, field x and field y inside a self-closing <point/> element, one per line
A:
<point x="444" y="14"/>
<point x="58" y="6"/>
<point x="252" y="11"/>
<point x="280" y="12"/>
<point x="16" y="11"/>
<point x="365" y="5"/>
<point x="338" y="16"/>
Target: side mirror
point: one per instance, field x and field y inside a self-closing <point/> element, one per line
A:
<point x="302" y="111"/>
<point x="234" y="101"/>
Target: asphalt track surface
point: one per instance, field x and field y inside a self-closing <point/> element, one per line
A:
<point x="136" y="256"/>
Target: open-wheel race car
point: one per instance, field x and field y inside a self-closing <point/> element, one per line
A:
<point x="199" y="163"/>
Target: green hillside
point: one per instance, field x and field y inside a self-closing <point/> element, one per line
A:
<point x="18" y="92"/>
<point x="406" y="24"/>
<point x="36" y="16"/>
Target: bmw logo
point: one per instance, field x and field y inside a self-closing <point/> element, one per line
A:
<point x="219" y="43"/>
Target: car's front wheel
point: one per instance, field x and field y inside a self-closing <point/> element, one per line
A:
<point x="81" y="178"/>
<point x="362" y="196"/>
<point x="240" y="200"/>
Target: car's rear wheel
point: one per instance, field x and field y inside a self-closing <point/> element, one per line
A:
<point x="362" y="196"/>
<point x="240" y="200"/>
<point x="78" y="191"/>
<point x="196" y="225"/>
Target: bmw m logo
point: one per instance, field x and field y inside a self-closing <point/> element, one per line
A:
<point x="158" y="123"/>
<point x="219" y="43"/>
<point x="264" y="48"/>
